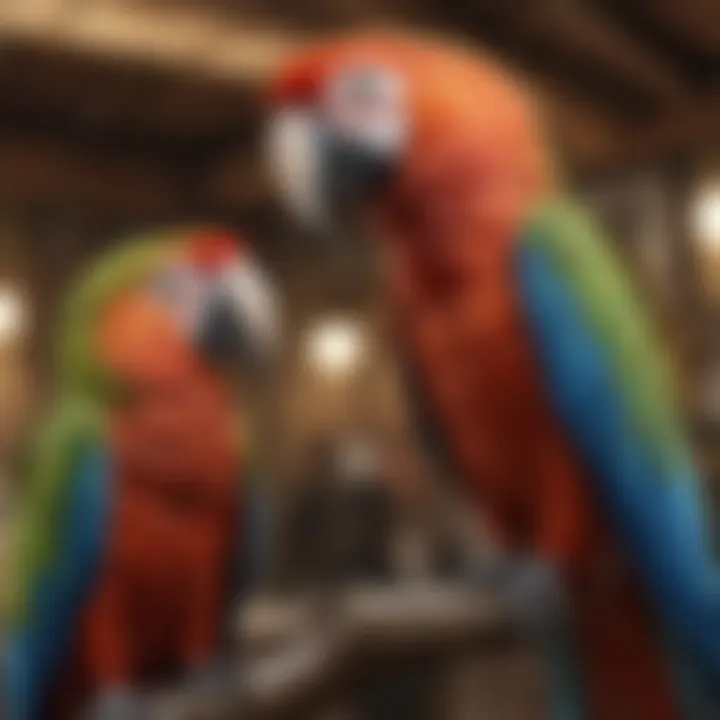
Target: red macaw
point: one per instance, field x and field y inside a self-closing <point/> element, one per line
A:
<point x="527" y="347"/>
<point x="128" y="548"/>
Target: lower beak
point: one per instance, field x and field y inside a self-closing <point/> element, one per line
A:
<point x="221" y="338"/>
<point x="354" y="175"/>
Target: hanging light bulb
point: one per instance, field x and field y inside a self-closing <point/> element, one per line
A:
<point x="705" y="217"/>
<point x="12" y="315"/>
<point x="335" y="346"/>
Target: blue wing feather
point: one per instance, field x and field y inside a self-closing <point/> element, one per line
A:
<point x="659" y="520"/>
<point x="38" y="646"/>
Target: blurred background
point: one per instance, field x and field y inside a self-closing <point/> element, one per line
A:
<point x="119" y="115"/>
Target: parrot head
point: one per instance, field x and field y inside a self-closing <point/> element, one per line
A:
<point x="160" y="309"/>
<point x="392" y="124"/>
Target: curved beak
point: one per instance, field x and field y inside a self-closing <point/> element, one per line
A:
<point x="322" y="177"/>
<point x="240" y="320"/>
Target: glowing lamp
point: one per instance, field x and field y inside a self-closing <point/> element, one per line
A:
<point x="12" y="315"/>
<point x="335" y="346"/>
<point x="705" y="217"/>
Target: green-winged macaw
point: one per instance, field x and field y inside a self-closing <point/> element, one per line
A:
<point x="527" y="348"/>
<point x="136" y="508"/>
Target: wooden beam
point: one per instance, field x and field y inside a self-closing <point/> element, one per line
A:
<point x="582" y="135"/>
<point x="686" y="131"/>
<point x="697" y="61"/>
<point x="239" y="178"/>
<point x="126" y="182"/>
<point x="593" y="37"/>
<point x="34" y="170"/>
<point x="109" y="96"/>
<point x="185" y="41"/>
<point x="697" y="22"/>
<point x="572" y="45"/>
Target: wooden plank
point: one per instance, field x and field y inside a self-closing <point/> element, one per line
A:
<point x="687" y="131"/>
<point x="152" y="36"/>
<point x="110" y="95"/>
<point x="697" y="22"/>
<point x="570" y="44"/>
<point x="666" y="34"/>
<point x="37" y="172"/>
<point x="591" y="36"/>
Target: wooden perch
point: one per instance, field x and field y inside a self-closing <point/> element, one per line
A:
<point x="365" y="628"/>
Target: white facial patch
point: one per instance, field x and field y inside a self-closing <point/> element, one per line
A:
<point x="366" y="106"/>
<point x="294" y="154"/>
<point x="183" y="291"/>
<point x="255" y="302"/>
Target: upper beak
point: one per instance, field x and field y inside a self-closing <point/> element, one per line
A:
<point x="321" y="176"/>
<point x="240" y="320"/>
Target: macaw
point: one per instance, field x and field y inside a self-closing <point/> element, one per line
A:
<point x="536" y="366"/>
<point x="130" y="548"/>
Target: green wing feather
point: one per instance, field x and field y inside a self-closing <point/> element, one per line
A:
<point x="75" y="429"/>
<point x="604" y="292"/>
<point x="80" y="372"/>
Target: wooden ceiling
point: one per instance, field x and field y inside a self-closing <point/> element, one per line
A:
<point x="149" y="106"/>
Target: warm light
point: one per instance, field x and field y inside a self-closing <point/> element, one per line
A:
<point x="706" y="217"/>
<point x="12" y="315"/>
<point x="334" y="347"/>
